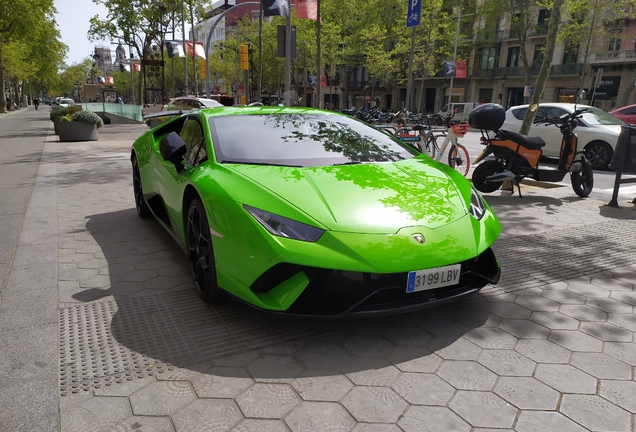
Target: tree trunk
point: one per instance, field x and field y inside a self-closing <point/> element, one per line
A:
<point x="3" y="103"/>
<point x="553" y="28"/>
<point x="623" y="97"/>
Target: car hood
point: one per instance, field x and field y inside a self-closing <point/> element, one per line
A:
<point x="366" y="198"/>
<point x="613" y="130"/>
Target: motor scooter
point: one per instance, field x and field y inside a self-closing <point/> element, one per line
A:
<point x="512" y="156"/>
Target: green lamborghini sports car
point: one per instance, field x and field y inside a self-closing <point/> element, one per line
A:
<point x="309" y="212"/>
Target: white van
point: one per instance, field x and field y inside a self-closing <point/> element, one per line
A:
<point x="461" y="110"/>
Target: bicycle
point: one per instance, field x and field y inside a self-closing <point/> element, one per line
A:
<point x="458" y="157"/>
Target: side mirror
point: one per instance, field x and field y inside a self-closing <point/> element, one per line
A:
<point x="172" y="149"/>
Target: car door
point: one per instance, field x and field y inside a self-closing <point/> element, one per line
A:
<point x="171" y="182"/>
<point x="549" y="132"/>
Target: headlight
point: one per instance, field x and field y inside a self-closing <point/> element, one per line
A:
<point x="477" y="206"/>
<point x="284" y="227"/>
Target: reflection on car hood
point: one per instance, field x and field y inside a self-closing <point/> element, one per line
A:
<point x="613" y="130"/>
<point x="366" y="198"/>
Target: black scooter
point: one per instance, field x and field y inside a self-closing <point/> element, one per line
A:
<point x="515" y="156"/>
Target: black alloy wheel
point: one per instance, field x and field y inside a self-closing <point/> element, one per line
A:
<point x="484" y="170"/>
<point x="201" y="253"/>
<point x="142" y="206"/>
<point x="599" y="154"/>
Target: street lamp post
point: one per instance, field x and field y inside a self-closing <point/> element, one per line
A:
<point x="503" y="86"/>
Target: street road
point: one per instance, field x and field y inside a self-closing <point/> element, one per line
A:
<point x="22" y="137"/>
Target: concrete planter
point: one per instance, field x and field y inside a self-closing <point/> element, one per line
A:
<point x="55" y="128"/>
<point x="77" y="131"/>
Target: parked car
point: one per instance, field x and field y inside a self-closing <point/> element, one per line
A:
<point x="65" y="102"/>
<point x="627" y="114"/>
<point x="322" y="214"/>
<point x="597" y="130"/>
<point x="184" y="103"/>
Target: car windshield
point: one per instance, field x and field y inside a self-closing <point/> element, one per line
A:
<point x="596" y="116"/>
<point x="302" y="140"/>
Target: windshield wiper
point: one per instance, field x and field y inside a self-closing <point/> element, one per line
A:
<point x="348" y="163"/>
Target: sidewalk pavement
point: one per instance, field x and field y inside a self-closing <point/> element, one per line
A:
<point x="551" y="347"/>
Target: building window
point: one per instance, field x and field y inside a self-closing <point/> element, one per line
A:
<point x="544" y="18"/>
<point x="537" y="58"/>
<point x="566" y="94"/>
<point x="614" y="42"/>
<point x="513" y="57"/>
<point x="571" y="55"/>
<point x="488" y="57"/>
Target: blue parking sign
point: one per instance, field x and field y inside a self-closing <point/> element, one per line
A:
<point x="413" y="14"/>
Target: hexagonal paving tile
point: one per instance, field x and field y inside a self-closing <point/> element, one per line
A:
<point x="367" y="344"/>
<point x="507" y="363"/>
<point x="141" y="423"/>
<point x="207" y="414"/>
<point x="324" y="356"/>
<point x="606" y="331"/>
<point x="467" y="375"/>
<point x="414" y="359"/>
<point x="583" y="312"/>
<point x="222" y="382"/>
<point x="376" y="427"/>
<point x="261" y="425"/>
<point x="626" y="321"/>
<point x="576" y="341"/>
<point x="370" y="371"/>
<point x="319" y="416"/>
<point x="625" y="352"/>
<point x="271" y="401"/>
<point x="509" y="310"/>
<point x="96" y="413"/>
<point x="627" y="297"/>
<point x="491" y="338"/>
<point x="555" y="320"/>
<point x="524" y="329"/>
<point x="423" y="389"/>
<point x="537" y="303"/>
<point x="483" y="409"/>
<point x="543" y="351"/>
<point x="527" y="393"/>
<point x="563" y="296"/>
<point x="541" y="421"/>
<point x="587" y="289"/>
<point x="162" y="398"/>
<point x="566" y="378"/>
<point x="275" y="368"/>
<point x="374" y="404"/>
<point x="454" y="349"/>
<point x="432" y="419"/>
<point x="622" y="393"/>
<point x="444" y="326"/>
<point x="595" y="413"/>
<point x="610" y="305"/>
<point x="601" y="365"/>
<point x="321" y="385"/>
<point x="408" y="336"/>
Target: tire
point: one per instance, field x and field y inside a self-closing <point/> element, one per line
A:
<point x="599" y="154"/>
<point x="459" y="159"/>
<point x="583" y="181"/>
<point x="484" y="170"/>
<point x="201" y="253"/>
<point x="142" y="206"/>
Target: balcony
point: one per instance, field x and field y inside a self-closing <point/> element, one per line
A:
<point x="613" y="57"/>
<point x="501" y="71"/>
<point x="566" y="69"/>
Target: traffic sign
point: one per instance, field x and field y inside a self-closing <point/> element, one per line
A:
<point x="413" y="13"/>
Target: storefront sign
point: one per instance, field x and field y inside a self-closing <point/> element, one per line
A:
<point x="608" y="88"/>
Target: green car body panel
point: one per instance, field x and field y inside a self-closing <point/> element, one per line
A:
<point x="369" y="213"/>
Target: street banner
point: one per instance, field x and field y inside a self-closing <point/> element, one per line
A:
<point x="110" y="80"/>
<point x="460" y="69"/>
<point x="136" y="67"/>
<point x="275" y="7"/>
<point x="323" y="81"/>
<point x="174" y="49"/>
<point x="123" y="67"/>
<point x="449" y="68"/>
<point x="413" y="13"/>
<point x="307" y="9"/>
<point x="101" y="80"/>
<point x="241" y="88"/>
<point x="527" y="91"/>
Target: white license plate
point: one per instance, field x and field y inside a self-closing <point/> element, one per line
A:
<point x="422" y="280"/>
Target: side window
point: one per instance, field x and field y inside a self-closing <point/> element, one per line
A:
<point x="629" y="111"/>
<point x="458" y="108"/>
<point x="192" y="135"/>
<point x="555" y="112"/>
<point x="519" y="113"/>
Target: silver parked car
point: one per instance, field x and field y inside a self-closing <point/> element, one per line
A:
<point x="597" y="130"/>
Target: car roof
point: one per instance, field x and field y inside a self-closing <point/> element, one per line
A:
<point x="563" y="105"/>
<point x="622" y="108"/>
<point x="205" y="101"/>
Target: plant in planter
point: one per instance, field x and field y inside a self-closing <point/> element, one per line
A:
<point x="57" y="114"/>
<point x="80" y="126"/>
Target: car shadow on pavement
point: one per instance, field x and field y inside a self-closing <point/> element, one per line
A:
<point x="130" y="291"/>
